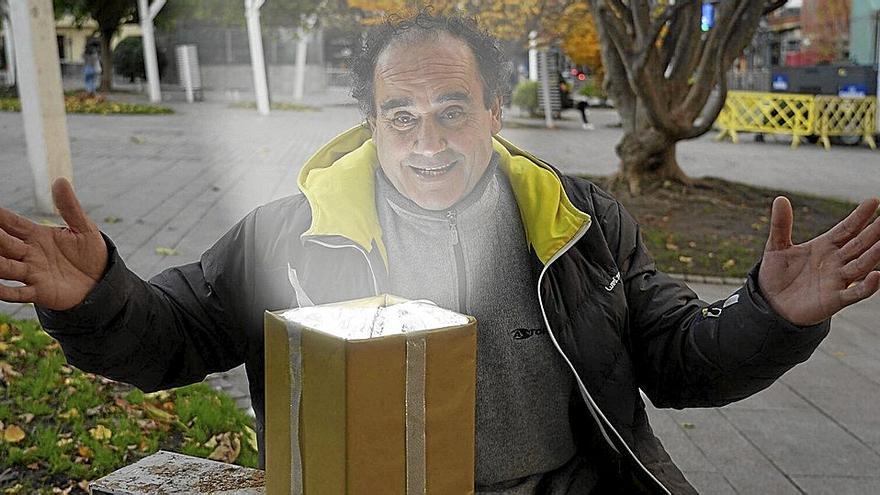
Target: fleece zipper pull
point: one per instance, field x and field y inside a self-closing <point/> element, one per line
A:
<point x="459" y="262"/>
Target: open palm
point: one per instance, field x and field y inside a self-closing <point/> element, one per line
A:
<point x="58" y="266"/>
<point x="808" y="283"/>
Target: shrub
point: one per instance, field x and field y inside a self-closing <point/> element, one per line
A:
<point x="525" y="95"/>
<point x="128" y="59"/>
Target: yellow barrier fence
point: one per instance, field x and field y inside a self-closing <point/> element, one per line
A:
<point x="846" y="117"/>
<point x="797" y="115"/>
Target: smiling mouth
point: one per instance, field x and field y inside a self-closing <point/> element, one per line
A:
<point x="434" y="171"/>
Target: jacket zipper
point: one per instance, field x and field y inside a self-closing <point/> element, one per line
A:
<point x="459" y="262"/>
<point x="597" y="414"/>
<point x="358" y="248"/>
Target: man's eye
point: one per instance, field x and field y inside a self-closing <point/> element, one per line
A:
<point x="403" y="120"/>
<point x="452" y="114"/>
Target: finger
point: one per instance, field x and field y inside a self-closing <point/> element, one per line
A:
<point x="861" y="290"/>
<point x="16" y="225"/>
<point x="69" y="207"/>
<point x="862" y="242"/>
<point x="861" y="266"/>
<point x="13" y="270"/>
<point x="781" y="219"/>
<point x="24" y="293"/>
<point x="850" y="226"/>
<point x="11" y="247"/>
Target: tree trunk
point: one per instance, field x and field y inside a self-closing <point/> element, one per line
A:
<point x="646" y="152"/>
<point x="106" y="60"/>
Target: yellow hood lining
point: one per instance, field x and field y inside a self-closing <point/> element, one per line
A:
<point x="339" y="183"/>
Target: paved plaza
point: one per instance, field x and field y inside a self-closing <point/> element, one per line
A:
<point x="181" y="181"/>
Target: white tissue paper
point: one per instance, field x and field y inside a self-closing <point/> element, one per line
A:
<point x="352" y="323"/>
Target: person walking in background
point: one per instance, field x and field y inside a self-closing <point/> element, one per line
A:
<point x="91" y="67"/>
<point x="582" y="105"/>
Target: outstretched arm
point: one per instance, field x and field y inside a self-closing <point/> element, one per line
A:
<point x="810" y="282"/>
<point x="58" y="266"/>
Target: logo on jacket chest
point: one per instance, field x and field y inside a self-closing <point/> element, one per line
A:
<point x="526" y="333"/>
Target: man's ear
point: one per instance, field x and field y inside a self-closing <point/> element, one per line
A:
<point x="495" y="114"/>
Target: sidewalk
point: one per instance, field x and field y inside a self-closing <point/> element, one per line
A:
<point x="181" y="181"/>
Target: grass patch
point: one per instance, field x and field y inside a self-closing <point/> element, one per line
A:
<point x="717" y="227"/>
<point x="60" y="427"/>
<point x="280" y="105"/>
<point x="97" y="104"/>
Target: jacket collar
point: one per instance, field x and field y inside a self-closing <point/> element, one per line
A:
<point x="339" y="183"/>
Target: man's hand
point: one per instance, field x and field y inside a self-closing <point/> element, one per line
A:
<point x="58" y="266"/>
<point x="808" y="283"/>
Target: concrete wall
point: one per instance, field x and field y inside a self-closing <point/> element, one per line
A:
<point x="863" y="31"/>
<point x="238" y="77"/>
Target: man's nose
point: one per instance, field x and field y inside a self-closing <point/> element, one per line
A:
<point x="430" y="139"/>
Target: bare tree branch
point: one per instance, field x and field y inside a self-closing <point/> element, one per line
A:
<point x="773" y="5"/>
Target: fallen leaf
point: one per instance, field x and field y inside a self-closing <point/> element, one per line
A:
<point x="26" y="417"/>
<point x="211" y="443"/>
<point x="143" y="446"/>
<point x="3" y="346"/>
<point x="7" y="372"/>
<point x="838" y="354"/>
<point x="166" y="251"/>
<point x="34" y="466"/>
<point x="85" y="451"/>
<point x="250" y="436"/>
<point x="100" y="432"/>
<point x="66" y="370"/>
<point x="4" y="329"/>
<point x="92" y="411"/>
<point x="65" y="491"/>
<point x="13" y="434"/>
<point x="688" y="426"/>
<point x="70" y="413"/>
<point x="671" y="247"/>
<point x="64" y="441"/>
<point x="84" y="486"/>
<point x="158" y="414"/>
<point x="228" y="448"/>
<point x="160" y="396"/>
<point x="727" y="265"/>
<point x="112" y="219"/>
<point x="137" y="140"/>
<point x="168" y="406"/>
<point x="686" y="259"/>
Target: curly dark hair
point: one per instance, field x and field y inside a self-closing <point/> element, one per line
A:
<point x="495" y="68"/>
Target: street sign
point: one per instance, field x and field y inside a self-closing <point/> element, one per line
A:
<point x="853" y="91"/>
<point x="780" y="82"/>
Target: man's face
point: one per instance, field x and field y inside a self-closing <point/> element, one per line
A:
<point x="432" y="131"/>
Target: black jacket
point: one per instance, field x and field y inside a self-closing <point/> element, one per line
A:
<point x="621" y="325"/>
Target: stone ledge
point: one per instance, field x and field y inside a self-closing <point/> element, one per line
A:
<point x="169" y="472"/>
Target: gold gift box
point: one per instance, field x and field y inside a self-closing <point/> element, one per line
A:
<point x="389" y="414"/>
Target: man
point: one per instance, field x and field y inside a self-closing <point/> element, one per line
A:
<point x="426" y="201"/>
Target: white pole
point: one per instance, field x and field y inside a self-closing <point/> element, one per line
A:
<point x="258" y="63"/>
<point x="9" y="47"/>
<point x="545" y="88"/>
<point x="299" y="75"/>
<point x="147" y="13"/>
<point x="42" y="99"/>
<point x="533" y="56"/>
